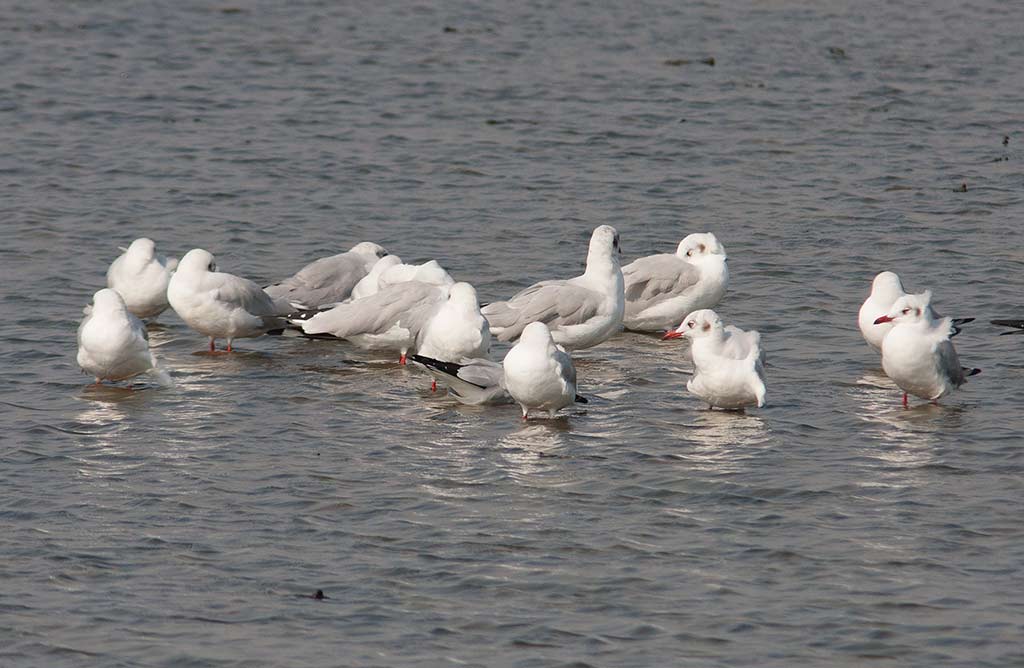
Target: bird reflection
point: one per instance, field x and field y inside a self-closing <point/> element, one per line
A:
<point x="722" y="439"/>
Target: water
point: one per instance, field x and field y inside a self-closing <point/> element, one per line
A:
<point x="187" y="527"/>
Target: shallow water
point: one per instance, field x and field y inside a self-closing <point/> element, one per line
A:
<point x="187" y="526"/>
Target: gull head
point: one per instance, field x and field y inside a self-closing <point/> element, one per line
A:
<point x="463" y="294"/>
<point x="142" y="248"/>
<point x="197" y="260"/>
<point x="107" y="300"/>
<point x="536" y="334"/>
<point x="704" y="322"/>
<point x="887" y="287"/>
<point x="369" y="250"/>
<point x="605" y="241"/>
<point x="700" y="245"/>
<point x="909" y="309"/>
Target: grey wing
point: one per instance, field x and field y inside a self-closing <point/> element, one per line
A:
<point x="378" y="312"/>
<point x="567" y="368"/>
<point x="245" y="294"/>
<point x="656" y="277"/>
<point x="327" y="280"/>
<point x="949" y="363"/>
<point x="481" y="372"/>
<point x="555" y="303"/>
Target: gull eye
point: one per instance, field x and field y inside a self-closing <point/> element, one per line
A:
<point x="691" y="324"/>
<point x="906" y="311"/>
<point x="383" y="253"/>
<point x="917" y="311"/>
<point x="689" y="253"/>
<point x="212" y="266"/>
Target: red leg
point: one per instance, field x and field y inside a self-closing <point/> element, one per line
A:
<point x="905" y="402"/>
<point x="230" y="349"/>
<point x="213" y="348"/>
<point x="401" y="360"/>
<point x="433" y="386"/>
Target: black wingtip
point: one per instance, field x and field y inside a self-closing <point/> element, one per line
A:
<point x="971" y="372"/>
<point x="1016" y="324"/>
<point x="275" y="332"/>
<point x="962" y="321"/>
<point x="580" y="399"/>
<point x="450" y="368"/>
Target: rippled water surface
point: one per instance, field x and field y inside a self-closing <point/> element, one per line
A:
<point x="828" y="141"/>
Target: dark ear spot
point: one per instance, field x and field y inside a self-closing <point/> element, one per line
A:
<point x="917" y="311"/>
<point x="701" y="247"/>
<point x="706" y="326"/>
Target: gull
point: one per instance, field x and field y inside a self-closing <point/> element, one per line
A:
<point x="661" y="289"/>
<point x="539" y="375"/>
<point x="473" y="381"/>
<point x="428" y="272"/>
<point x="580" y="312"/>
<point x="917" y="353"/>
<point x="141" y="276"/>
<point x="370" y="283"/>
<point x="1017" y="325"/>
<point x="328" y="280"/>
<point x="456" y="330"/>
<point x="221" y="305"/>
<point x="390" y="319"/>
<point x="728" y="366"/>
<point x="113" y="343"/>
<point x="886" y="288"/>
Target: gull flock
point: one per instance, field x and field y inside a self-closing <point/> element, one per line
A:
<point x="419" y="312"/>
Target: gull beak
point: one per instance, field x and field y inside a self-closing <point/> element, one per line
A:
<point x="882" y="319"/>
<point x="672" y="334"/>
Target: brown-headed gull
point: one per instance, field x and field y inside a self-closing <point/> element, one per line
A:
<point x="141" y="276"/>
<point x="457" y="330"/>
<point x="328" y="280"/>
<point x="580" y="312"/>
<point x="398" y="316"/>
<point x="370" y="284"/>
<point x="472" y="381"/>
<point x="428" y="272"/>
<point x="539" y="375"/>
<point x="886" y="288"/>
<point x="917" y="353"/>
<point x="221" y="305"/>
<point x="112" y="342"/>
<point x="661" y="289"/>
<point x="727" y="361"/>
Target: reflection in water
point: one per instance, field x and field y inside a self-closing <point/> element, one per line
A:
<point x="722" y="439"/>
<point x="908" y="434"/>
<point x="98" y="431"/>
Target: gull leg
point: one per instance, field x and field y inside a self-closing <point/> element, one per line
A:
<point x="433" y="386"/>
<point x="213" y="348"/>
<point x="906" y="404"/>
<point x="230" y="349"/>
<point x="401" y="359"/>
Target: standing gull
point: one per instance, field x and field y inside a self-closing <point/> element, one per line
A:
<point x="661" y="289"/>
<point x="220" y="305"/>
<point x="112" y="342"/>
<point x="330" y="279"/>
<point x="727" y="362"/>
<point x="539" y="375"/>
<point x="917" y="353"/>
<point x="886" y="288"/>
<point x="579" y="312"/>
<point x="390" y="319"/>
<point x="141" y="277"/>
